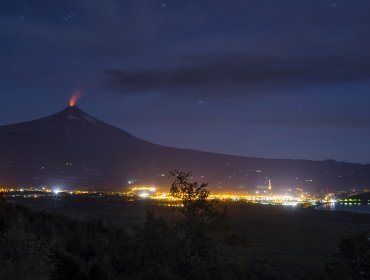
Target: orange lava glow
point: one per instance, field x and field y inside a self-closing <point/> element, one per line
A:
<point x="75" y="97"/>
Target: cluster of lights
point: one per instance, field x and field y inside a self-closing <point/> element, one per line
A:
<point x="142" y="191"/>
<point x="147" y="192"/>
<point x="151" y="192"/>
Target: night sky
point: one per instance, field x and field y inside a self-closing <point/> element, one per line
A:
<point x="263" y="78"/>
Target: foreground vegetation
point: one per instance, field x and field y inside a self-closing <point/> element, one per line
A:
<point x="198" y="241"/>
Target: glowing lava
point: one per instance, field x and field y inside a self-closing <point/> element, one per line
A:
<point x="75" y="97"/>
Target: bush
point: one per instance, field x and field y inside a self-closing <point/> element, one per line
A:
<point x="352" y="261"/>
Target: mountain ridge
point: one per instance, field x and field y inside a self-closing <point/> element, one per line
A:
<point x="75" y="149"/>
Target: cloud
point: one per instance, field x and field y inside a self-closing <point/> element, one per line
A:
<point x="241" y="73"/>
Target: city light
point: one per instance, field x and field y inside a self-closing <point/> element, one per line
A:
<point x="56" y="191"/>
<point x="144" y="194"/>
<point x="291" y="199"/>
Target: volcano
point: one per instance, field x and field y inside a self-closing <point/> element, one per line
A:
<point x="73" y="149"/>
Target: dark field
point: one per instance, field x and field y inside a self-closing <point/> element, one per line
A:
<point x="290" y="243"/>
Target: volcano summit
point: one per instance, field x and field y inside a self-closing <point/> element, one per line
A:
<point x="73" y="149"/>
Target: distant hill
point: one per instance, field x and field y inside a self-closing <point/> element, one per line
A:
<point x="73" y="149"/>
<point x="364" y="197"/>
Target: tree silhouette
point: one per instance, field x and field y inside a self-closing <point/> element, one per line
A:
<point x="198" y="250"/>
<point x="197" y="210"/>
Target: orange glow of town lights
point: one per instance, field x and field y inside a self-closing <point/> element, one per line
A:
<point x="75" y="97"/>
